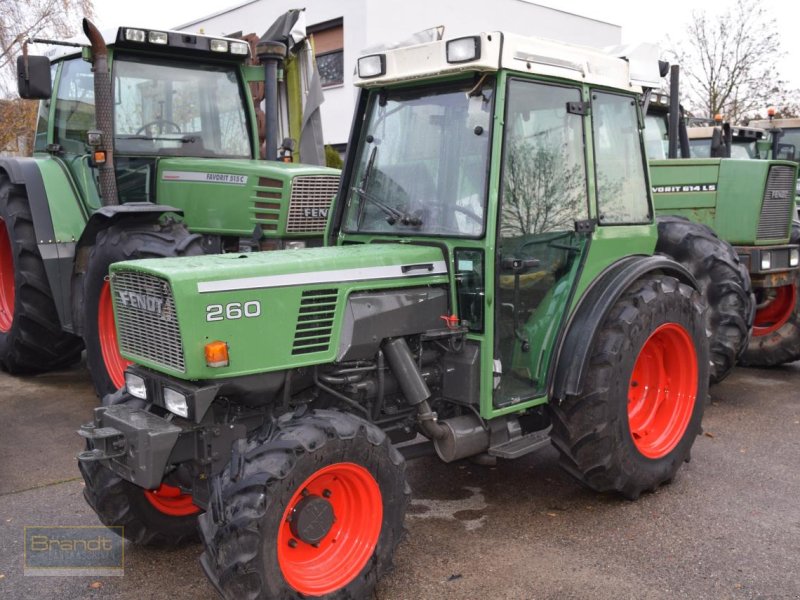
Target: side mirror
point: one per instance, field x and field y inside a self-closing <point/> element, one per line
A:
<point x="785" y="152"/>
<point x="33" y="77"/>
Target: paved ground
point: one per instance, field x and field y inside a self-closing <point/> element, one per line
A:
<point x="728" y="527"/>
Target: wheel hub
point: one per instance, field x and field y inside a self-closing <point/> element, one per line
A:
<point x="312" y="519"/>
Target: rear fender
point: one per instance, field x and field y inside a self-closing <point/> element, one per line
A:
<point x="58" y="220"/>
<point x="573" y="354"/>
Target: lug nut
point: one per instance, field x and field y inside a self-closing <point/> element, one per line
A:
<point x="326" y="493"/>
<point x="292" y="543"/>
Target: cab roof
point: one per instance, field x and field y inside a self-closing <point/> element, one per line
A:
<point x="627" y="68"/>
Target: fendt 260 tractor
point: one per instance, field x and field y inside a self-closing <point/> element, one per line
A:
<point x="146" y="146"/>
<point x="489" y="284"/>
<point x="729" y="220"/>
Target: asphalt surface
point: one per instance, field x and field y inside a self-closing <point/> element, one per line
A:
<point x="727" y="527"/>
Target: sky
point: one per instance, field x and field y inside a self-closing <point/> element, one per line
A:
<point x="640" y="21"/>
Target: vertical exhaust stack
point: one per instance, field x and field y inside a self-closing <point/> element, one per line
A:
<point x="271" y="54"/>
<point x="674" y="111"/>
<point x="104" y="116"/>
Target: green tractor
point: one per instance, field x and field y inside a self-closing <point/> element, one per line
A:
<point x="729" y="221"/>
<point x="489" y="287"/>
<point x="147" y="145"/>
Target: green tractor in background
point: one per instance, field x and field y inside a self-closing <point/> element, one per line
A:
<point x="730" y="222"/>
<point x="489" y="283"/>
<point x="147" y="145"/>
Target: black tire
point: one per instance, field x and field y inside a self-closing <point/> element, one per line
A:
<point x="117" y="243"/>
<point x="118" y="502"/>
<point x="724" y="283"/>
<point x="782" y="345"/>
<point x="31" y="340"/>
<point x="241" y="532"/>
<point x="592" y="431"/>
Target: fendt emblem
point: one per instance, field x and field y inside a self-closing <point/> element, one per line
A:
<point x="315" y="213"/>
<point x="145" y="302"/>
<point x="779" y="194"/>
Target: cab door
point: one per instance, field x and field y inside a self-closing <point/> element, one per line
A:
<point x="544" y="195"/>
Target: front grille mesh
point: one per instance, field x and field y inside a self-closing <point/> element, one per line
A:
<point x="147" y="325"/>
<point x="315" y="321"/>
<point x="776" y="216"/>
<point x="310" y="202"/>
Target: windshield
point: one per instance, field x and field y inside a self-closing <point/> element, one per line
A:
<point x="179" y="109"/>
<point x="741" y="148"/>
<point x="791" y="137"/>
<point x="422" y="162"/>
<point x="656" y="140"/>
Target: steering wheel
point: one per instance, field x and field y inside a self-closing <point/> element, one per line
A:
<point x="161" y="123"/>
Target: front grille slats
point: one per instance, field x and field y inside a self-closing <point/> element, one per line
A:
<point x="147" y="325"/>
<point x="310" y="202"/>
<point x="315" y="321"/>
<point x="773" y="223"/>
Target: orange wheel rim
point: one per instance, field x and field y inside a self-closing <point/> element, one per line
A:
<point x="346" y="508"/>
<point x="776" y="311"/>
<point x="171" y="501"/>
<point x="107" y="336"/>
<point x="662" y="391"/>
<point x="6" y="280"/>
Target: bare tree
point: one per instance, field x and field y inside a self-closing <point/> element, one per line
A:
<point x="728" y="61"/>
<point x="19" y="21"/>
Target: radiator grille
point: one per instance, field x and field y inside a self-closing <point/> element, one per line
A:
<point x="315" y="321"/>
<point x="310" y="202"/>
<point x="147" y="325"/>
<point x="776" y="215"/>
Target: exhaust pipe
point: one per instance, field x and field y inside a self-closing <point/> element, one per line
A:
<point x="104" y="115"/>
<point x="271" y="53"/>
<point x="454" y="438"/>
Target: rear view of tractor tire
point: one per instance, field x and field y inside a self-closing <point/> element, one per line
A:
<point x="31" y="338"/>
<point x="776" y="330"/>
<point x="723" y="281"/>
<point x="95" y="309"/>
<point x="644" y="393"/>
<point x="314" y="510"/>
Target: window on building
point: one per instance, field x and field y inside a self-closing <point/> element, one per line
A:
<point x="329" y="48"/>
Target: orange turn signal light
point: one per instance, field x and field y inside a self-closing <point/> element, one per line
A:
<point x="100" y="157"/>
<point x="718" y="118"/>
<point x="771" y="111"/>
<point x="217" y="354"/>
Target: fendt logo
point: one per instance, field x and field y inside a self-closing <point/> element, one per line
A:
<point x="146" y="302"/>
<point x="779" y="194"/>
<point x="315" y="213"/>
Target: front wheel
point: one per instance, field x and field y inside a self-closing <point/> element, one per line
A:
<point x="315" y="510"/>
<point x="776" y="330"/>
<point x="645" y="388"/>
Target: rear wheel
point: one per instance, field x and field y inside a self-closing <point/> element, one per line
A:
<point x="96" y="312"/>
<point x="723" y="281"/>
<point x="644" y="392"/>
<point x="31" y="338"/>
<point x="316" y="510"/>
<point x="776" y="330"/>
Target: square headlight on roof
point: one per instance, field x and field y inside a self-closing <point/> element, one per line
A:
<point x="373" y="65"/>
<point x="218" y="46"/>
<point x="135" y="35"/>
<point x="464" y="49"/>
<point x="240" y="48"/>
<point x="157" y="37"/>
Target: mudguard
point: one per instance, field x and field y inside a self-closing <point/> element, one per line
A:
<point x="573" y="353"/>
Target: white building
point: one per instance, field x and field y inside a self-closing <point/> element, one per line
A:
<point x="342" y="28"/>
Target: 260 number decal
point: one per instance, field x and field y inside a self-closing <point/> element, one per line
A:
<point x="233" y="311"/>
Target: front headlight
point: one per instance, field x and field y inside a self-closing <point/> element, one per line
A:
<point x="176" y="403"/>
<point x="135" y="386"/>
<point x="794" y="257"/>
<point x="766" y="261"/>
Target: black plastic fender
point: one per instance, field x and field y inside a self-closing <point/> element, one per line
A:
<point x="101" y="219"/>
<point x="573" y="353"/>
